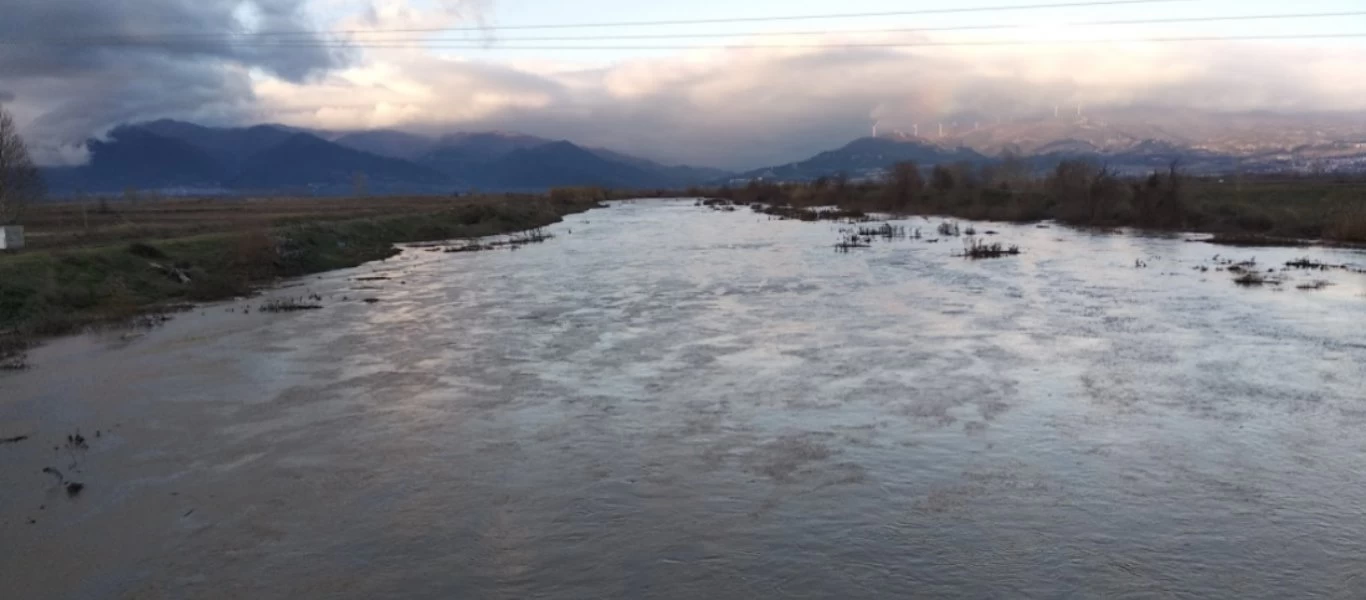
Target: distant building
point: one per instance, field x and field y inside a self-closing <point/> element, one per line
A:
<point x="11" y="237"/>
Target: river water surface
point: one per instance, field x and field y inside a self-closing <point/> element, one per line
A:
<point x="669" y="402"/>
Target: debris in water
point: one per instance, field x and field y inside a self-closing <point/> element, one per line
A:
<point x="287" y="305"/>
<point x="13" y="440"/>
<point x="1252" y="278"/>
<point x="74" y="488"/>
<point x="55" y="473"/>
<point x="76" y="440"/>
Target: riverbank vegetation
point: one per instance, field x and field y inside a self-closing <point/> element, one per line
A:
<point x="181" y="251"/>
<point x="1080" y="193"/>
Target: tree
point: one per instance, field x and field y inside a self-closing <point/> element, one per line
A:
<point x="942" y="178"/>
<point x="360" y="186"/>
<point x="1085" y="192"/>
<point x="905" y="184"/>
<point x="1011" y="172"/>
<point x="20" y="182"/>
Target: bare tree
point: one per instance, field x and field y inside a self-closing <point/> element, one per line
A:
<point x="20" y="182"/>
<point x="904" y="186"/>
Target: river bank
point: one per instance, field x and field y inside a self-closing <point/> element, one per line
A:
<point x="60" y="291"/>
<point x="1321" y="211"/>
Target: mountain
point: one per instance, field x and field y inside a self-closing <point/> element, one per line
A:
<point x="669" y="176"/>
<point x="178" y="157"/>
<point x="465" y="156"/>
<point x="387" y="142"/>
<point x="133" y="157"/>
<point x="304" y="159"/>
<point x="230" y="146"/>
<point x="481" y="159"/>
<point x="507" y="160"/>
<point x="869" y="157"/>
<point x="563" y="164"/>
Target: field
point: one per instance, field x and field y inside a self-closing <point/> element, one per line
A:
<point x="96" y="222"/>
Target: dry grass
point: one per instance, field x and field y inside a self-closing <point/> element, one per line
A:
<point x="92" y="223"/>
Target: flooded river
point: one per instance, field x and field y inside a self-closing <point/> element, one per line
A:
<point x="666" y="401"/>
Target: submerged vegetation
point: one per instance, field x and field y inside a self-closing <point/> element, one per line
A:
<point x="977" y="249"/>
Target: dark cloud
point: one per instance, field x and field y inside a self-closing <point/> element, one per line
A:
<point x="80" y="66"/>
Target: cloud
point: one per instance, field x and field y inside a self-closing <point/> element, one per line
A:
<point x="735" y="108"/>
<point x="746" y="108"/>
<point x="76" y="67"/>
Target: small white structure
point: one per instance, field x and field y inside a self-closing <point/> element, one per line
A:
<point x="11" y="237"/>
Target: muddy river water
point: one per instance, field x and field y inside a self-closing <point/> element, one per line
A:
<point x="666" y="401"/>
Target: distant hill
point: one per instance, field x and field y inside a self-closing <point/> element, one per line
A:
<point x="229" y="146"/>
<point x="669" y="176"/>
<point x="132" y="157"/>
<point x="179" y="157"/>
<point x="564" y="164"/>
<point x="869" y="156"/>
<point x="466" y="156"/>
<point x="387" y="142"/>
<point x="305" y="159"/>
<point x="1117" y="148"/>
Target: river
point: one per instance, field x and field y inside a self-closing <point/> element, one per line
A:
<point x="666" y="401"/>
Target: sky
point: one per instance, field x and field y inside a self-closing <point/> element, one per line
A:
<point x="71" y="70"/>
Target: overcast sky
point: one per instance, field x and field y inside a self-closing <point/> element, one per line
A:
<point x="69" y="71"/>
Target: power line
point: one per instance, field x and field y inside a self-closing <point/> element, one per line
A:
<point x="497" y="43"/>
<point x="1208" y="19"/>
<point x="1147" y="40"/>
<point x="851" y="45"/>
<point x="652" y="36"/>
<point x="611" y="24"/>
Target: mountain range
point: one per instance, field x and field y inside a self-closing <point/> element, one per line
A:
<point x="185" y="158"/>
<point x="179" y="157"/>
<point x="1043" y="144"/>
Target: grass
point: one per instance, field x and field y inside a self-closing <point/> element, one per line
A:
<point x="978" y="249"/>
<point x="61" y="290"/>
<point x="89" y="223"/>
